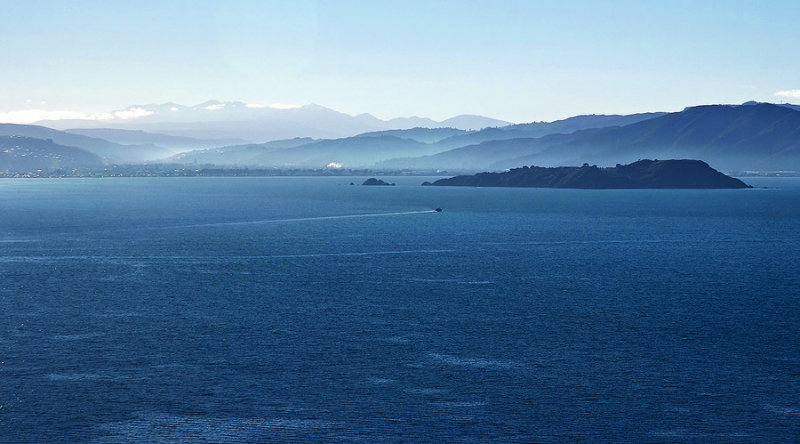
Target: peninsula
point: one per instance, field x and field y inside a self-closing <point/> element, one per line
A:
<point x="682" y="173"/>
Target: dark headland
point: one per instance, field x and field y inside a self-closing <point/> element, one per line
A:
<point x="641" y="174"/>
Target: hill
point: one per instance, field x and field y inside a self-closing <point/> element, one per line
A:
<point x="472" y="122"/>
<point x="759" y="137"/>
<point x="110" y="152"/>
<point x="730" y="137"/>
<point x="239" y="155"/>
<point x="424" y="135"/>
<point x="138" y="137"/>
<point x="24" y="154"/>
<point x="539" y="129"/>
<point x="640" y="174"/>
<point x="350" y="152"/>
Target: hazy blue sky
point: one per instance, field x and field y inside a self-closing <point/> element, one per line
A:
<point x="515" y="60"/>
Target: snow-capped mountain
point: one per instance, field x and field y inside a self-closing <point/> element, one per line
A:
<point x="257" y="122"/>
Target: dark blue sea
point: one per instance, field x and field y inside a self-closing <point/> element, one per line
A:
<point x="305" y="309"/>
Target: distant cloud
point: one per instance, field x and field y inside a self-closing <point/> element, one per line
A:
<point x="133" y="113"/>
<point x="35" y="115"/>
<point x="215" y="106"/>
<point x="174" y="108"/>
<point x="789" y="93"/>
<point x="283" y="106"/>
<point x="255" y="105"/>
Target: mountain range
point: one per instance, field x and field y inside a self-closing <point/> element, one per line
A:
<point x="729" y="137"/>
<point x="751" y="136"/>
<point x="257" y="123"/>
<point x="389" y="144"/>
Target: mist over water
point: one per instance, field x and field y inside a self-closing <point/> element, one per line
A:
<point x="301" y="309"/>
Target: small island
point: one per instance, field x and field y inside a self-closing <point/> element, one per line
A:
<point x="374" y="181"/>
<point x="681" y="173"/>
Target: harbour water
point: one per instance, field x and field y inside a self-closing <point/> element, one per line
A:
<point x="306" y="309"/>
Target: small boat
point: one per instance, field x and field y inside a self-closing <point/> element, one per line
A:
<point x="438" y="210"/>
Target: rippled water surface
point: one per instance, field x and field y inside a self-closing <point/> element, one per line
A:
<point x="305" y="309"/>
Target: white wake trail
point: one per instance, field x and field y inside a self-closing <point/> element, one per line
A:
<point x="303" y="219"/>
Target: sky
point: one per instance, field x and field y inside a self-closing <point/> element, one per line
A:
<point x="519" y="61"/>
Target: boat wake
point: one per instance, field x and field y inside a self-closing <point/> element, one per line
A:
<point x="304" y="219"/>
